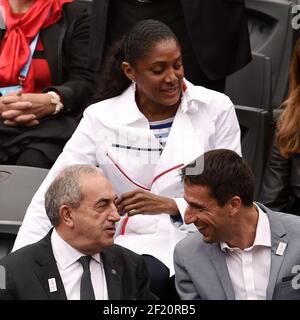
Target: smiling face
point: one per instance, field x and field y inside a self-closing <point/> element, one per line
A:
<point x="159" y="77"/>
<point x="212" y="221"/>
<point x="93" y="222"/>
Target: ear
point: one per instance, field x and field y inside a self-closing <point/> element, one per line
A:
<point x="128" y="71"/>
<point x="66" y="216"/>
<point x="234" y="205"/>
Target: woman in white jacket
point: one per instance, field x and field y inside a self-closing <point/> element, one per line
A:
<point x="150" y="123"/>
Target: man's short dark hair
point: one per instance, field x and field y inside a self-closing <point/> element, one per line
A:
<point x="225" y="173"/>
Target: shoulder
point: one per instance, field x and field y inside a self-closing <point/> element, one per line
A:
<point x="110" y="111"/>
<point x="123" y="255"/>
<point x="202" y="97"/>
<point x="103" y="106"/>
<point x="290" y="222"/>
<point x="40" y="250"/>
<point x="21" y="257"/>
<point x="106" y="109"/>
<point x="76" y="12"/>
<point x="122" y="252"/>
<point x="75" y="8"/>
<point x="191" y="245"/>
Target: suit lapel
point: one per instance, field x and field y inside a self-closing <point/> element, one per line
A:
<point x="46" y="268"/>
<point x="113" y="273"/>
<point x="52" y="38"/>
<point x="98" y="26"/>
<point x="219" y="262"/>
<point x="278" y="235"/>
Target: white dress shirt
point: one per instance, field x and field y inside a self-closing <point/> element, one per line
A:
<point x="71" y="270"/>
<point x="249" y="269"/>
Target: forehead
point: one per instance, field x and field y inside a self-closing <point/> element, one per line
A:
<point x="164" y="50"/>
<point x="95" y="185"/>
<point x="197" y="193"/>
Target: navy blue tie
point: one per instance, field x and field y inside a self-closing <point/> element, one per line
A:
<point x="86" y="287"/>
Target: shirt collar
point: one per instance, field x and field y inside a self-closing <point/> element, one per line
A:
<point x="262" y="236"/>
<point x="128" y="111"/>
<point x="64" y="254"/>
<point x="198" y="94"/>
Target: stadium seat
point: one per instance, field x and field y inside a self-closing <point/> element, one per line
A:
<point x="272" y="35"/>
<point x="17" y="187"/>
<point x="251" y="86"/>
<point x="255" y="140"/>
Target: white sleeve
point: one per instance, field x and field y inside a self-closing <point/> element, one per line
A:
<point x="228" y="134"/>
<point x="81" y="148"/>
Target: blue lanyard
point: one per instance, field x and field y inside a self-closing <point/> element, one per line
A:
<point x="25" y="69"/>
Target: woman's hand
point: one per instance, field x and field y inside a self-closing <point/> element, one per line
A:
<point x="25" y="109"/>
<point x="145" y="202"/>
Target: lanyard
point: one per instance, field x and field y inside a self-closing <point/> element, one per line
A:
<point x="25" y="69"/>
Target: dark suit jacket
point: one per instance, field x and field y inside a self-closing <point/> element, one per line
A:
<point x="218" y="31"/>
<point x="66" y="50"/>
<point x="28" y="269"/>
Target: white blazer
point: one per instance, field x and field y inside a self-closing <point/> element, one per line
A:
<point x="115" y="136"/>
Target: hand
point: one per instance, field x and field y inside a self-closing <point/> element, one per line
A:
<point x="25" y="109"/>
<point x="10" y="101"/>
<point x="144" y="202"/>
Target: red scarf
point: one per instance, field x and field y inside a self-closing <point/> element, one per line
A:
<point x="20" y="32"/>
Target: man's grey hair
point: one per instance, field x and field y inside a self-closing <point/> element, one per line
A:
<point x="66" y="190"/>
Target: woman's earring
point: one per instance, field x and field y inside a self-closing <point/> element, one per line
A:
<point x="134" y="85"/>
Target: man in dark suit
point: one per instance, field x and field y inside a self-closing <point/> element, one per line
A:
<point x="213" y="33"/>
<point x="243" y="250"/>
<point x="80" y="206"/>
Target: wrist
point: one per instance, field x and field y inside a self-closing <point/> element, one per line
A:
<point x="56" y="102"/>
<point x="172" y="208"/>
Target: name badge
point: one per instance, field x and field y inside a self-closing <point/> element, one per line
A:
<point x="280" y="249"/>
<point x="52" y="285"/>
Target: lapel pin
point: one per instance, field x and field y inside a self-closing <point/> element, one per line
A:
<point x="52" y="285"/>
<point x="280" y="249"/>
<point x="113" y="271"/>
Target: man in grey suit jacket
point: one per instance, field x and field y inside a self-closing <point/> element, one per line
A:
<point x="243" y="250"/>
<point x="80" y="205"/>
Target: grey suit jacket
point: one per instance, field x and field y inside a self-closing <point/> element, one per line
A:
<point x="28" y="270"/>
<point x="201" y="271"/>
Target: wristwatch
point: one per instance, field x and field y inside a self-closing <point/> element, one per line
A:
<point x="55" y="99"/>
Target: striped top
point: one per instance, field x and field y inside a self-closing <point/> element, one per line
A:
<point x="161" y="129"/>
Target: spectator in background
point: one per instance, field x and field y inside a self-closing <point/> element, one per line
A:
<point x="281" y="185"/>
<point x="151" y="122"/>
<point x="243" y="250"/>
<point x="213" y="33"/>
<point x="80" y="206"/>
<point x="35" y="122"/>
